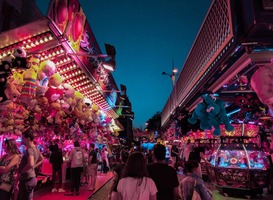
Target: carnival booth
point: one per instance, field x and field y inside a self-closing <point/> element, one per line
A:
<point x="239" y="165"/>
<point x="52" y="79"/>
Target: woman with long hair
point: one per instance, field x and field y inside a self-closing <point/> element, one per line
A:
<point x="8" y="168"/>
<point x="135" y="183"/>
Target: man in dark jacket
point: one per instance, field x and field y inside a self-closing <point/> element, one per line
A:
<point x="164" y="176"/>
<point x="56" y="159"/>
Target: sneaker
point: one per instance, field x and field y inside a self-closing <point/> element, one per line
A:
<point x="54" y="190"/>
<point x="61" y="190"/>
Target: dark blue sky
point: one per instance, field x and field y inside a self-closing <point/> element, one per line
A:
<point x="147" y="35"/>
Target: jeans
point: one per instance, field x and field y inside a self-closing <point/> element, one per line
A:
<point x="54" y="171"/>
<point x="104" y="167"/>
<point x="26" y="188"/>
<point x="92" y="172"/>
<point x="76" y="178"/>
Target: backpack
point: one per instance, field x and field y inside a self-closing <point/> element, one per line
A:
<point x="78" y="157"/>
<point x="195" y="195"/>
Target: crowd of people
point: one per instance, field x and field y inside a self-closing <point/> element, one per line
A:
<point x="137" y="177"/>
<point x="17" y="172"/>
<point x="136" y="174"/>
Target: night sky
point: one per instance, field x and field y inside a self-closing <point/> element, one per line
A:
<point x="147" y="35"/>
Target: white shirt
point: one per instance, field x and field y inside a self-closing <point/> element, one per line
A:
<point x="133" y="189"/>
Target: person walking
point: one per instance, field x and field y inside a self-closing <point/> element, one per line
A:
<point x="76" y="157"/>
<point x="105" y="162"/>
<point x="174" y="155"/>
<point x="193" y="180"/>
<point x="117" y="173"/>
<point x="187" y="150"/>
<point x="56" y="159"/>
<point x="198" y="154"/>
<point x="92" y="167"/>
<point x="163" y="175"/>
<point x="8" y="168"/>
<point x="32" y="158"/>
<point x="135" y="183"/>
<point x="85" y="176"/>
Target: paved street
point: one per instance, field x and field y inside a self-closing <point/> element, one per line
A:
<point x="103" y="192"/>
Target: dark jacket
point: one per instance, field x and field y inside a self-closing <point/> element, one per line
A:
<point x="56" y="159"/>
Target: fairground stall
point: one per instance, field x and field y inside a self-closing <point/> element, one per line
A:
<point x="227" y="79"/>
<point x="239" y="165"/>
<point x="55" y="79"/>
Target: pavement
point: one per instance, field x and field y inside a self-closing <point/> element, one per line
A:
<point x="44" y="193"/>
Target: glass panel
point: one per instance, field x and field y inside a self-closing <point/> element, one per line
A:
<point x="258" y="160"/>
<point x="232" y="159"/>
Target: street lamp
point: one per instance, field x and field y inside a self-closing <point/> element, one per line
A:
<point x="172" y="75"/>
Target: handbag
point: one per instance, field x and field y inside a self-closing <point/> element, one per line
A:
<point x="195" y="195"/>
<point x="5" y="186"/>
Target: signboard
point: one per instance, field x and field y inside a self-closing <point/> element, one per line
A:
<point x="69" y="18"/>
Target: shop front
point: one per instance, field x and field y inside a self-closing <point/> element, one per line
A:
<point x="53" y="80"/>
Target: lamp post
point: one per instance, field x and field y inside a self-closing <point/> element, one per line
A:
<point x="173" y="95"/>
<point x="172" y="75"/>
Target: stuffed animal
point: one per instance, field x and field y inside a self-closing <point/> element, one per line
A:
<point x="18" y="80"/>
<point x="55" y="91"/>
<point x="67" y="100"/>
<point x="212" y="110"/>
<point x="30" y="75"/>
<point x="41" y="90"/>
<point x="211" y="113"/>
<point x="20" y="60"/>
<point x="201" y="114"/>
<point x="53" y="94"/>
<point x="11" y="91"/>
<point x="46" y="69"/>
<point x="5" y="72"/>
<point x="54" y="108"/>
<point x="222" y="115"/>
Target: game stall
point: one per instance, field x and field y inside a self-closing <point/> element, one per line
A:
<point x="239" y="165"/>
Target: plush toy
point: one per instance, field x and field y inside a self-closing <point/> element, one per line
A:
<point x="211" y="113"/>
<point x="59" y="118"/>
<point x="67" y="101"/>
<point x="222" y="115"/>
<point x="11" y="91"/>
<point x="41" y="90"/>
<point x="55" y="91"/>
<point x="212" y="110"/>
<point x="5" y="72"/>
<point x="54" y="108"/>
<point x="201" y="114"/>
<point x="20" y="60"/>
<point x="55" y="80"/>
<point x="46" y="69"/>
<point x="68" y="91"/>
<point x="30" y="75"/>
<point x="53" y="94"/>
<point x="18" y="80"/>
